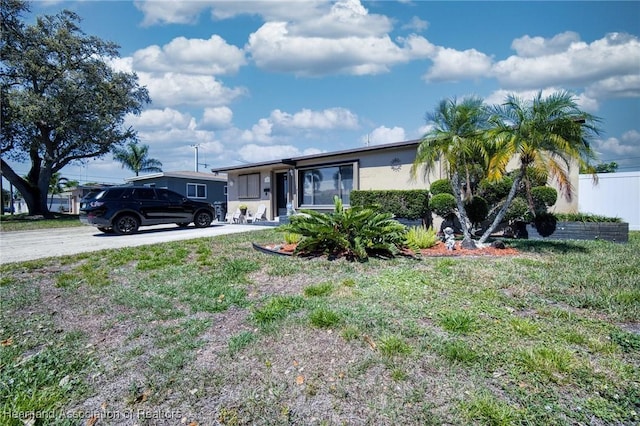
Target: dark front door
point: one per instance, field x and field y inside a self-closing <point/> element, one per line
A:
<point x="282" y="191"/>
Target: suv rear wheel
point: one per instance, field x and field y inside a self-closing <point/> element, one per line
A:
<point x="202" y="219"/>
<point x="126" y="224"/>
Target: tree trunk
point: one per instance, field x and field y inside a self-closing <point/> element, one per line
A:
<point x="34" y="197"/>
<point x="505" y="207"/>
<point x="467" y="241"/>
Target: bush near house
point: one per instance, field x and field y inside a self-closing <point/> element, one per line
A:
<point x="410" y="204"/>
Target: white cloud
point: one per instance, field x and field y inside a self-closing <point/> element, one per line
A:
<point x="191" y="56"/>
<point x="346" y="18"/>
<point x="615" y="56"/>
<point x="531" y="47"/>
<point x="273" y="48"/>
<point x="170" y="12"/>
<point x="613" y="147"/>
<point x="160" y="119"/>
<point x="217" y="118"/>
<point x="416" y="24"/>
<point x="383" y="134"/>
<point x="626" y="86"/>
<point x="280" y="125"/>
<point x="453" y="65"/>
<point x="328" y="119"/>
<point x="260" y="132"/>
<point x="171" y="89"/>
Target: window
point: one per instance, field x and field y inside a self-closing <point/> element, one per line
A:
<point x="196" y="190"/>
<point x="249" y="186"/>
<point x="318" y="186"/>
<point x="144" y="194"/>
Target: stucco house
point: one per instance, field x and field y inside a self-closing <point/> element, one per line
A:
<point x="311" y="181"/>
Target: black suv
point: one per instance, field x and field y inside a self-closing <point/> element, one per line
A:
<point x="122" y="209"/>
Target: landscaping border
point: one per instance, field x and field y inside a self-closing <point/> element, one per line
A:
<point x="608" y="231"/>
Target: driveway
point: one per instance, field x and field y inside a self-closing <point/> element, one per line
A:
<point x="19" y="246"/>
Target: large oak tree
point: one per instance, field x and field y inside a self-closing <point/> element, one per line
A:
<point x="61" y="100"/>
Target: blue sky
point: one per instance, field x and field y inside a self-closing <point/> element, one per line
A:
<point x="256" y="80"/>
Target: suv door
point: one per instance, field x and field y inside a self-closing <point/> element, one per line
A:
<point x="152" y="209"/>
<point x="180" y="208"/>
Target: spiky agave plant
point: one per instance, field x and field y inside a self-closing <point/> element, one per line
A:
<point x="356" y="232"/>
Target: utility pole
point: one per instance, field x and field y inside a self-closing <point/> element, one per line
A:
<point x="196" y="160"/>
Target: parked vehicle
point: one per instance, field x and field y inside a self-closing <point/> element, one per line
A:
<point x="123" y="209"/>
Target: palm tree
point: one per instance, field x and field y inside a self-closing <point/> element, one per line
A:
<point x="59" y="184"/>
<point x="456" y="140"/>
<point x="135" y="158"/>
<point x="546" y="135"/>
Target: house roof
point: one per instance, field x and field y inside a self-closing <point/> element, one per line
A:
<point x="294" y="160"/>
<point x="180" y="174"/>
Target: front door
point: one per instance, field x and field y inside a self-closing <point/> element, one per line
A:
<point x="282" y="191"/>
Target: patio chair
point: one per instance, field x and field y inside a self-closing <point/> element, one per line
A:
<point x="236" y="216"/>
<point x="261" y="213"/>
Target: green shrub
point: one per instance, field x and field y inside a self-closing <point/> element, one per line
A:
<point x="543" y="197"/>
<point x="419" y="237"/>
<point x="518" y="210"/>
<point x="494" y="192"/>
<point x="355" y="233"/>
<point x="441" y="186"/>
<point x="409" y="204"/>
<point x="442" y="204"/>
<point x="477" y="209"/>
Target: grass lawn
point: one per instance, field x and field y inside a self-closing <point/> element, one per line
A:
<point x="209" y="330"/>
<point x="23" y="222"/>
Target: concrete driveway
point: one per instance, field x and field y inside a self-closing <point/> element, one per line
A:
<point x="19" y="246"/>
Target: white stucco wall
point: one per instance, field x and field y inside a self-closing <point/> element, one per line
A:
<point x="615" y="195"/>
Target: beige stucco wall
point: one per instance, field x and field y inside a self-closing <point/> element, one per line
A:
<point x="252" y="204"/>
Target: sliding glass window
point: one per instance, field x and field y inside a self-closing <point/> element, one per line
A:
<point x="319" y="185"/>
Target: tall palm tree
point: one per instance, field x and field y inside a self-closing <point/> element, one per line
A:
<point x="546" y="134"/>
<point x="456" y="140"/>
<point x="135" y="158"/>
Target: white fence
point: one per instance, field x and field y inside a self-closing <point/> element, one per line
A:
<point x="615" y="195"/>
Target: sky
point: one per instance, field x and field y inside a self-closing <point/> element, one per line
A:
<point x="251" y="81"/>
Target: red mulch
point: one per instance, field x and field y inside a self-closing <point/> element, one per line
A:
<point x="441" y="250"/>
<point x="438" y="250"/>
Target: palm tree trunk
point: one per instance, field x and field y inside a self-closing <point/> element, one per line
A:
<point x="527" y="188"/>
<point x="505" y="207"/>
<point x="467" y="241"/>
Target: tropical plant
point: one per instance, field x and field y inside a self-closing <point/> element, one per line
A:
<point x="356" y="233"/>
<point x="456" y="140"/>
<point x="419" y="237"/>
<point x="62" y="102"/>
<point x="136" y="158"/>
<point x="547" y="135"/>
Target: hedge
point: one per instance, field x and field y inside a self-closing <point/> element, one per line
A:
<point x="410" y="204"/>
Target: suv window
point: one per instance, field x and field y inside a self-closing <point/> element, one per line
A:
<point x="144" y="194"/>
<point x="112" y="193"/>
<point x="165" y="194"/>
